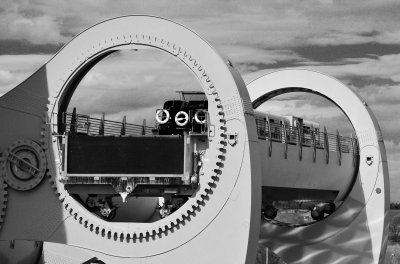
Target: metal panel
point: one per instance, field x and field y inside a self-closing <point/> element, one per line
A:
<point x="125" y="155"/>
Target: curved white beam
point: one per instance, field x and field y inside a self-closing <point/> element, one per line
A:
<point x="357" y="231"/>
<point x="229" y="189"/>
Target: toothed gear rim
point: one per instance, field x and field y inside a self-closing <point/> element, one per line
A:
<point x="88" y="220"/>
<point x="28" y="154"/>
<point x="217" y="147"/>
<point x="3" y="201"/>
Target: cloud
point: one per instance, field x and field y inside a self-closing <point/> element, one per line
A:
<point x="310" y="107"/>
<point x="22" y="46"/>
<point x="6" y="77"/>
<point x="381" y="95"/>
<point x="384" y="67"/>
<point x="43" y="29"/>
<point x="134" y="83"/>
<point x="272" y="24"/>
<point x="16" y="68"/>
<point x="252" y="54"/>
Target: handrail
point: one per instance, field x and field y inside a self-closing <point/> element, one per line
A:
<point x="285" y="134"/>
<point x="92" y="126"/>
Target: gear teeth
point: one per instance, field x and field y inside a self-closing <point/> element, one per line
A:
<point x="207" y="189"/>
<point x="189" y="209"/>
<point x="180" y="218"/>
<point x="202" y="194"/>
<point x="3" y="201"/>
<point x="43" y="138"/>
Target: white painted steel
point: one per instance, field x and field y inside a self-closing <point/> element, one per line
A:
<point x="306" y="173"/>
<point x="226" y="207"/>
<point x="357" y="231"/>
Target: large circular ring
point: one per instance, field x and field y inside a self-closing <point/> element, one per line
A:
<point x="24" y="165"/>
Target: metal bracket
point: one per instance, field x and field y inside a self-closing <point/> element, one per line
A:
<point x="232" y="139"/>
<point x="369" y="160"/>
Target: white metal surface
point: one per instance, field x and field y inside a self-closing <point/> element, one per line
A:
<point x="226" y="207"/>
<point x="306" y="173"/>
<point x="357" y="231"/>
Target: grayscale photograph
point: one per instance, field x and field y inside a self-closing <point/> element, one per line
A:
<point x="202" y="132"/>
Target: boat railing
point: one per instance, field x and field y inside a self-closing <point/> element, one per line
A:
<point x="310" y="138"/>
<point x="84" y="124"/>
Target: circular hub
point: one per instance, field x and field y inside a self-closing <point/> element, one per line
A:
<point x="24" y="166"/>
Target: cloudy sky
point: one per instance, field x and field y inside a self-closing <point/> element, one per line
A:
<point x="357" y="42"/>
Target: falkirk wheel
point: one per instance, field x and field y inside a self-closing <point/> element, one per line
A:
<point x="357" y="231"/>
<point x="57" y="205"/>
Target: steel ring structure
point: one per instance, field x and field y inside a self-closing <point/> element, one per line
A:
<point x="219" y="218"/>
<point x="356" y="232"/>
<point x="34" y="105"/>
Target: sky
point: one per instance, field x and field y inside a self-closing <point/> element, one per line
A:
<point x="358" y="42"/>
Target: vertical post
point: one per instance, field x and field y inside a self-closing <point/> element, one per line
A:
<point x="144" y="127"/>
<point x="266" y="256"/>
<point x="73" y="125"/>
<point x="285" y="138"/>
<point x="354" y="145"/>
<point x="88" y="124"/>
<point x="339" y="146"/>
<point x="314" y="142"/>
<point x="300" y="142"/>
<point x="123" y="127"/>
<point x="326" y="145"/>
<point x="101" y="127"/>
<point x="269" y="137"/>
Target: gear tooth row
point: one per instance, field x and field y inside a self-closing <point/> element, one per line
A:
<point x="106" y="231"/>
<point x="180" y="218"/>
<point x="3" y="200"/>
<point x="46" y="131"/>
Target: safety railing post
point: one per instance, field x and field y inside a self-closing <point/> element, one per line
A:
<point x="300" y="142"/>
<point x="144" y="127"/>
<point x="354" y="145"/>
<point x="339" y="147"/>
<point x="102" y="124"/>
<point x="326" y="146"/>
<point x="123" y="126"/>
<point x="74" y="122"/>
<point x="285" y="139"/>
<point x="269" y="138"/>
<point x="314" y="142"/>
<point x="87" y="124"/>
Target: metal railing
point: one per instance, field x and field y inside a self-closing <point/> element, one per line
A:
<point x="310" y="138"/>
<point x="78" y="123"/>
